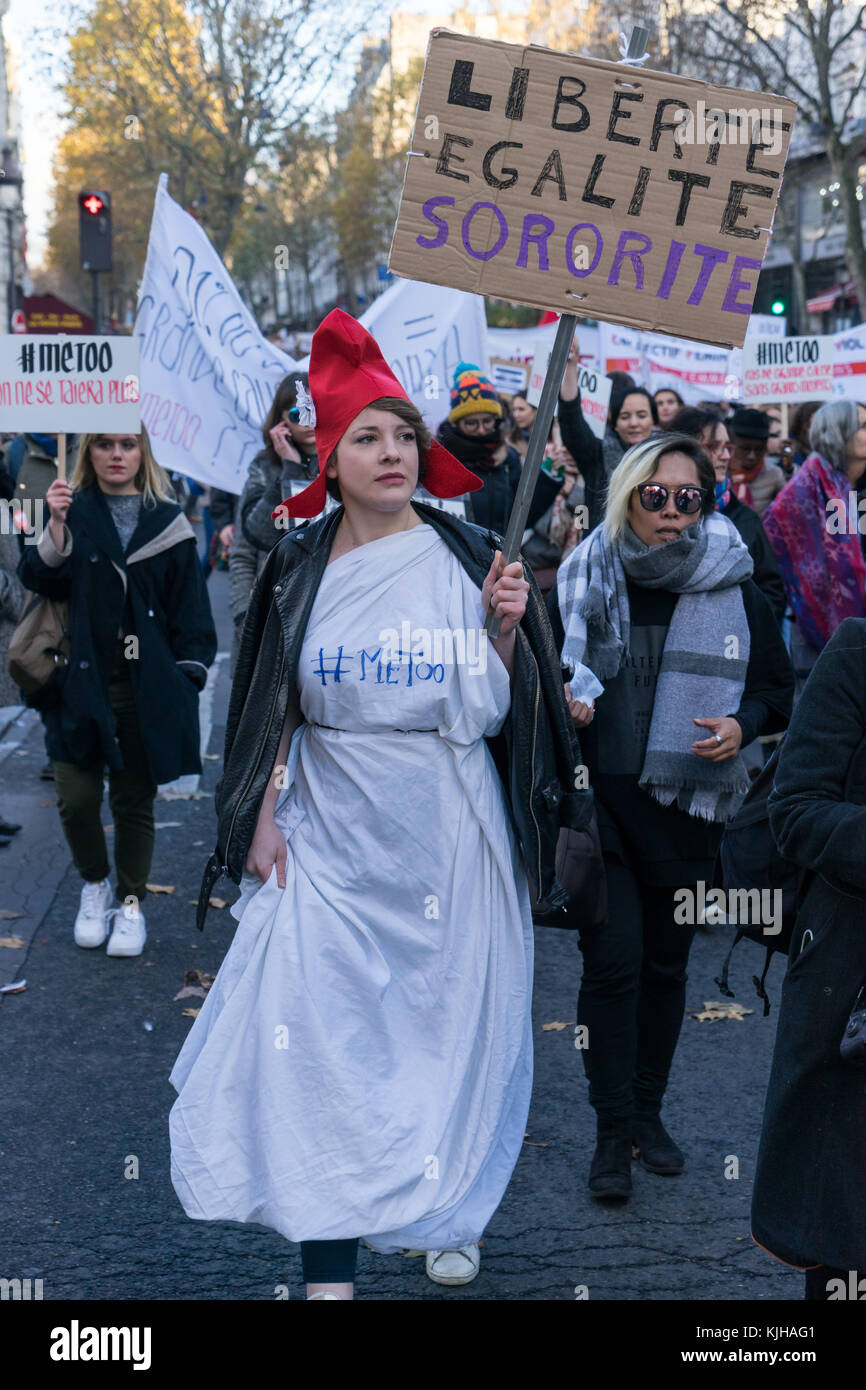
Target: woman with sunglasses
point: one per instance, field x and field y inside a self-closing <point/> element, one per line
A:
<point x="287" y="461"/>
<point x="632" y="418"/>
<point x="706" y="426"/>
<point x="676" y="661"/>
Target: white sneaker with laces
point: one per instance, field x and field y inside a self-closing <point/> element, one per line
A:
<point x="128" y="935"/>
<point x="91" y="923"/>
<point x="453" y="1267"/>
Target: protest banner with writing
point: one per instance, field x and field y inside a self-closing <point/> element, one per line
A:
<point x="208" y="376"/>
<point x="819" y="367"/>
<point x="620" y="350"/>
<point x="608" y="198"/>
<point x="697" y="372"/>
<point x="69" y="385"/>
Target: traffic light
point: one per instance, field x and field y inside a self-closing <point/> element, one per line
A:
<point x="94" y="229"/>
<point x="778" y="306"/>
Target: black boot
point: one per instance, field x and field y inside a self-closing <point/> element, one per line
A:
<point x="8" y="827"/>
<point x="610" y="1171"/>
<point x="657" y="1150"/>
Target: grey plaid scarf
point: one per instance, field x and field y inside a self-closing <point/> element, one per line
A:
<point x="705" y="656"/>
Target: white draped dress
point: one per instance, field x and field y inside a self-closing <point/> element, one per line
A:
<point x="362" y="1064"/>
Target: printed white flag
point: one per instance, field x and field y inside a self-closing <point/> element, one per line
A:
<point x="208" y="376"/>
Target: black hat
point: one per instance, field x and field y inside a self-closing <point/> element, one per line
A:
<point x="752" y="424"/>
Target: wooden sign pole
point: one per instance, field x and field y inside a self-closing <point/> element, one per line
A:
<point x="544" y="415"/>
<point x="61" y="457"/>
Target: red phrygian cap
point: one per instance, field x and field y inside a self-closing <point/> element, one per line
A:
<point x="348" y="373"/>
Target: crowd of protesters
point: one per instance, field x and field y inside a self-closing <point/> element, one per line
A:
<point x="683" y="527"/>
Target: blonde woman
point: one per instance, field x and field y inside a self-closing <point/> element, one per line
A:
<point x="676" y="662"/>
<point x="119" y="550"/>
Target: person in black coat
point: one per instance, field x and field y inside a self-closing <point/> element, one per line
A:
<point x="809" y="1200"/>
<point x="141" y="634"/>
<point x="709" y="429"/>
<point x="660" y="627"/>
<point x="473" y="434"/>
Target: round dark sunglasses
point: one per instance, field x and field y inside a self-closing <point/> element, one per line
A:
<point x="653" y="496"/>
<point x="294" y="414"/>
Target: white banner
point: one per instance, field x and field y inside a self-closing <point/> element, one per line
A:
<point x="59" y="384"/>
<point x="816" y="367"/>
<point x="695" y="372"/>
<point x="208" y="376"/>
<point x="424" y="332"/>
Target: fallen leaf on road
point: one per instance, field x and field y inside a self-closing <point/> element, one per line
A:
<point x="556" y="1027"/>
<point x="7" y="914"/>
<point x="189" y="990"/>
<point x="199" y="977"/>
<point x="14" y="943"/>
<point x="531" y="1145"/>
<point x="159" y="887"/>
<point x="47" y="803"/>
<point x="715" y="1010"/>
<point x="190" y="1013"/>
<point x="17" y="987"/>
<point x="218" y="902"/>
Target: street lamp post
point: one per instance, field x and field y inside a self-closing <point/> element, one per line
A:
<point x="10" y="178"/>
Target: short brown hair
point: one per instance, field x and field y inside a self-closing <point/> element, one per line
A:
<point x="408" y="412"/>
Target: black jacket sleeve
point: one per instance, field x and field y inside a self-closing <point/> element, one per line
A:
<point x="265" y="489"/>
<point x="588" y="454"/>
<point x="191" y="632"/>
<point x="546" y="489"/>
<point x="767" y="574"/>
<point x="811" y="820"/>
<point x="768" y="694"/>
<point x="53" y="581"/>
<point x="222" y="508"/>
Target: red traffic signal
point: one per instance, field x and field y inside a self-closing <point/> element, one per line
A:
<point x="94" y="229"/>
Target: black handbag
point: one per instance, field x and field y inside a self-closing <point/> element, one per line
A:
<point x="579" y="871"/>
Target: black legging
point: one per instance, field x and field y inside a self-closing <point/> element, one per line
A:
<point x="329" y="1261"/>
<point x="632" y="996"/>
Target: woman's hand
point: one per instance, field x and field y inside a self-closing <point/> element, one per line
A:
<point x="59" y="498"/>
<point x="504" y="591"/>
<point x="268" y="848"/>
<point x="724" y="743"/>
<point x="227" y="535"/>
<point x="284" y="447"/>
<point x="581" y="714"/>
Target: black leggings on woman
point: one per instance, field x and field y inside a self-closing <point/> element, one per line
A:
<point x="329" y="1261"/>
<point x="632" y="995"/>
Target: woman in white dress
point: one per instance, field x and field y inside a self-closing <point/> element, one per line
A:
<point x="362" y="1064"/>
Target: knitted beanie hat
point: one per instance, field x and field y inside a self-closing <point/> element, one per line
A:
<point x="472" y="393"/>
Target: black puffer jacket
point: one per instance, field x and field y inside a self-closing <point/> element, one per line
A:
<point x="536" y="754"/>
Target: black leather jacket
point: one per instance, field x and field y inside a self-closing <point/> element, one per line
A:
<point x="536" y="753"/>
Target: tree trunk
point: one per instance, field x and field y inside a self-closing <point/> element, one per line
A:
<point x="843" y="163"/>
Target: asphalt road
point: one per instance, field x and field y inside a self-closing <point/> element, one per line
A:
<point x="88" y="1046"/>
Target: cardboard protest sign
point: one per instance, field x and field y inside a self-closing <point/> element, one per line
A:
<point x="579" y="185"/>
<point x="509" y="377"/>
<point x="819" y="367"/>
<point x="55" y="384"/>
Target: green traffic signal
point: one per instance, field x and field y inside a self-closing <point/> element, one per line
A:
<point x="777" y="306"/>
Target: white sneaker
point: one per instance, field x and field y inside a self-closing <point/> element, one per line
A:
<point x="91" y="924"/>
<point x="128" y="935"/>
<point x="459" y="1266"/>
